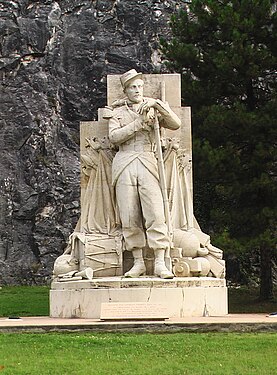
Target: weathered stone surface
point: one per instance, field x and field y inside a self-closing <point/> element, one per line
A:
<point x="180" y="296"/>
<point x="54" y="59"/>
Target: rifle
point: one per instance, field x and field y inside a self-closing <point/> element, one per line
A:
<point x="162" y="177"/>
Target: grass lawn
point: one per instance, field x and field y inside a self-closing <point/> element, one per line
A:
<point x="134" y="354"/>
<point x="24" y="301"/>
<point x="246" y="300"/>
<point x="138" y="354"/>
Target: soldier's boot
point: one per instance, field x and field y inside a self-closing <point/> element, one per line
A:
<point x="138" y="268"/>
<point x="160" y="268"/>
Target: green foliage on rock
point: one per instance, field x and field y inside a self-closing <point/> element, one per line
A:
<point x="226" y="53"/>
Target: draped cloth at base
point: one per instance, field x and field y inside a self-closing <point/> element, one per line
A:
<point x="179" y="194"/>
<point x="99" y="211"/>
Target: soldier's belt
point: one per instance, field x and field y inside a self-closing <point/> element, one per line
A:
<point x="136" y="147"/>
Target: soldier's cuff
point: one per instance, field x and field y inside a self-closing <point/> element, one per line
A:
<point x="138" y="125"/>
<point x="162" y="107"/>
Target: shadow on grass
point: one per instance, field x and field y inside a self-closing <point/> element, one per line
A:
<point x="246" y="300"/>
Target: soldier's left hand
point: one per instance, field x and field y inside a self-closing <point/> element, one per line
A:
<point x="146" y="105"/>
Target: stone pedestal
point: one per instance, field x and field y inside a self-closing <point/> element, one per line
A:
<point x="190" y="296"/>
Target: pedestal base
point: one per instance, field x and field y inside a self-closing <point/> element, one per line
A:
<point x="190" y="296"/>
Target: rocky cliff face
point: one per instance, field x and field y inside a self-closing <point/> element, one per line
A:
<point x="55" y="56"/>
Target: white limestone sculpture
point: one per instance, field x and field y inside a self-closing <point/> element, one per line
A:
<point x="135" y="173"/>
<point x="127" y="203"/>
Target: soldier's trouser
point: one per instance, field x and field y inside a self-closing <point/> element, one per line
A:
<point x="141" y="209"/>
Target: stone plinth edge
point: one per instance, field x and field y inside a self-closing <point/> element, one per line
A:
<point x="146" y="327"/>
<point x="147" y="282"/>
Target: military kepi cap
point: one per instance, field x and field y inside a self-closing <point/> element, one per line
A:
<point x="126" y="77"/>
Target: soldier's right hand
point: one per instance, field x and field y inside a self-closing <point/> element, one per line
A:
<point x="147" y="121"/>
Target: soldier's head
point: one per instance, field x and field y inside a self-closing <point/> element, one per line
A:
<point x="132" y="85"/>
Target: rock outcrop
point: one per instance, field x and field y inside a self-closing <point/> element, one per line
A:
<point x="55" y="56"/>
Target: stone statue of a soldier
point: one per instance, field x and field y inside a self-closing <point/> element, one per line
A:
<point x="135" y="173"/>
<point x="131" y="190"/>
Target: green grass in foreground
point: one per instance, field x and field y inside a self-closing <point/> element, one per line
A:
<point x="138" y="354"/>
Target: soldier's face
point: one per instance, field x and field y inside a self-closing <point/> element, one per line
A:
<point x="134" y="91"/>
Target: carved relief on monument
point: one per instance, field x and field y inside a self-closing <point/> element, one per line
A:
<point x="136" y="188"/>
